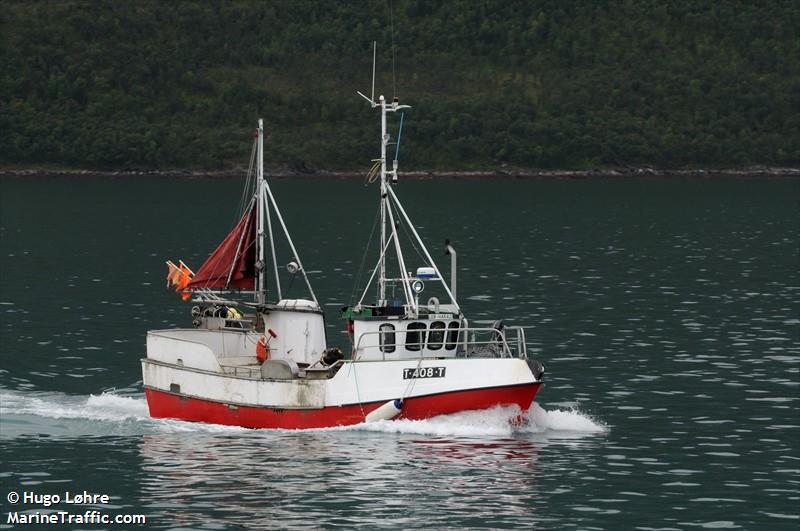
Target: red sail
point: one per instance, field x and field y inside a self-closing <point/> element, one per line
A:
<point x="234" y="259"/>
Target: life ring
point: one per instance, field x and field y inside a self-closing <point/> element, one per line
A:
<point x="262" y="349"/>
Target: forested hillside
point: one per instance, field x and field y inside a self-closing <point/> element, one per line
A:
<point x="544" y="84"/>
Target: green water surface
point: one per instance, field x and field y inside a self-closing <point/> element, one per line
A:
<point x="667" y="313"/>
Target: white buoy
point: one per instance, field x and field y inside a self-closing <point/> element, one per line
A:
<point x="388" y="411"/>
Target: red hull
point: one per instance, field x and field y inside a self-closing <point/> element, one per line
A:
<point x="169" y="405"/>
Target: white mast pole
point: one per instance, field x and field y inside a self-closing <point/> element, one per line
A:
<point x="381" y="266"/>
<point x="384" y="200"/>
<point x="260" y="285"/>
<point x="452" y="252"/>
<point x="263" y="198"/>
<point x="263" y="213"/>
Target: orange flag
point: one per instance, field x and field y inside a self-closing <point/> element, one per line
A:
<point x="186" y="275"/>
<point x="179" y="276"/>
<point x="173" y="273"/>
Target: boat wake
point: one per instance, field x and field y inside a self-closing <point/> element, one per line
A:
<point x="60" y="414"/>
<point x="496" y="422"/>
<point x="108" y="407"/>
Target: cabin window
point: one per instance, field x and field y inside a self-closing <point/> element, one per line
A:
<point x="386" y="337"/>
<point x="436" y="335"/>
<point x="415" y="336"/>
<point x="452" y="335"/>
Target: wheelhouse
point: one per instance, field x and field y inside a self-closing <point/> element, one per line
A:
<point x="380" y="337"/>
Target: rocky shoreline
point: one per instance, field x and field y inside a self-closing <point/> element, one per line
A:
<point x="517" y="173"/>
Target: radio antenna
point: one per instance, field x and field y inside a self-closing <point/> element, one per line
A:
<point x="374" y="52"/>
<point x="371" y="99"/>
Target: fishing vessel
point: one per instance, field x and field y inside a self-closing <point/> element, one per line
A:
<point x="255" y="359"/>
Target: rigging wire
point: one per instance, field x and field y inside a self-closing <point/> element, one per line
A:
<point x="240" y="211"/>
<point x="408" y="235"/>
<point x="364" y="257"/>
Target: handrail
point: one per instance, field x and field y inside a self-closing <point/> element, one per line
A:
<point x="239" y="370"/>
<point x="463" y="343"/>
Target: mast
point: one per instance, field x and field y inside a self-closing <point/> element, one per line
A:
<point x="384" y="204"/>
<point x="389" y="235"/>
<point x="239" y="262"/>
<point x="265" y="199"/>
<point x="390" y="201"/>
<point x="386" y="214"/>
<point x="261" y="287"/>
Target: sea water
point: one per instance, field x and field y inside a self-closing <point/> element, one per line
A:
<point x="666" y="312"/>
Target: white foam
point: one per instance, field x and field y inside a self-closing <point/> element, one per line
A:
<point x="491" y="422"/>
<point x="570" y="420"/>
<point x="180" y="426"/>
<point x="111" y="410"/>
<point x="63" y="406"/>
<point x="495" y="422"/>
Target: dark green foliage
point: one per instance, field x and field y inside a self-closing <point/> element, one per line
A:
<point x="528" y="83"/>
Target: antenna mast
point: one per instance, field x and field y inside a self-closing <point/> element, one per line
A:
<point x="261" y="285"/>
<point x="374" y="51"/>
<point x="385" y="173"/>
<point x="389" y="221"/>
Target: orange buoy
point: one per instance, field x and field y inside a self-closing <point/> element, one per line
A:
<point x="262" y="349"/>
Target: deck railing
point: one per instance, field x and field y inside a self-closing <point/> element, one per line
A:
<point x="470" y="342"/>
<point x="246" y="371"/>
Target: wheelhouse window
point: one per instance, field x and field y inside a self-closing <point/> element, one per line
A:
<point x="436" y="335"/>
<point x="415" y="336"/>
<point x="386" y="338"/>
<point x="452" y="335"/>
